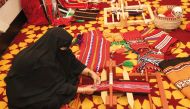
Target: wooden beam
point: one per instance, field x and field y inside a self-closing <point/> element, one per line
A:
<point x="104" y="94"/>
<point x="161" y="90"/>
<point x="149" y="95"/>
<point x="130" y="97"/>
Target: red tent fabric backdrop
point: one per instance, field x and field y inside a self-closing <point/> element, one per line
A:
<point x="2" y="2"/>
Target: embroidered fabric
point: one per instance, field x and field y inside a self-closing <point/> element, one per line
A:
<point x="149" y="55"/>
<point x="177" y="71"/>
<point x="182" y="83"/>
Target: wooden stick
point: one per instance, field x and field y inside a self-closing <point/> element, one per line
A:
<point x="111" y="100"/>
<point x="105" y="16"/>
<point x="118" y="12"/>
<point x="113" y="19"/>
<point x="150" y="12"/>
<point x="130" y="97"/>
<point x="127" y="14"/>
<point x="111" y="84"/>
<point x="111" y="95"/>
<point x="122" y="9"/>
<point x="149" y="95"/>
<point x="142" y="13"/>
<point x="161" y="90"/>
<point x="104" y="94"/>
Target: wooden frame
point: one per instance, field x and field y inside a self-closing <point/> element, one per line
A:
<point x="158" y="77"/>
<point x="110" y="100"/>
<point x="104" y="94"/>
<point x="123" y="21"/>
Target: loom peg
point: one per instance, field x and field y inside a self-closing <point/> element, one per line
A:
<point x="111" y="100"/>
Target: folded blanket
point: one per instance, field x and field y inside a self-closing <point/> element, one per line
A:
<point x="178" y="72"/>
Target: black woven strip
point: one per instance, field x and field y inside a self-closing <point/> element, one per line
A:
<point x="172" y="62"/>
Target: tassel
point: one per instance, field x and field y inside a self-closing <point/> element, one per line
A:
<point x="77" y="40"/>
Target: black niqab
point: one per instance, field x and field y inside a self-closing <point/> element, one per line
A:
<point x="43" y="71"/>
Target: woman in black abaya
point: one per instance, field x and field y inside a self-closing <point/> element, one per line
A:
<point x="44" y="75"/>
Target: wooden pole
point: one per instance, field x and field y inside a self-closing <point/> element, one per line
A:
<point x="111" y="84"/>
<point x="161" y="90"/>
<point x="104" y="94"/>
<point x="149" y="95"/>
<point x="142" y="12"/>
<point x="130" y="97"/>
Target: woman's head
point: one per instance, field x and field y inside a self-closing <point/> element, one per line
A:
<point x="64" y="39"/>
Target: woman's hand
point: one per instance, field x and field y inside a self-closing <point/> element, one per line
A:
<point x="95" y="77"/>
<point x="86" y="90"/>
<point x="92" y="74"/>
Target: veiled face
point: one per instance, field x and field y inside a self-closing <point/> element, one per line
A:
<point x="65" y="44"/>
<point x="64" y="48"/>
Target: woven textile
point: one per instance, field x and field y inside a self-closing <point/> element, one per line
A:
<point x="177" y="71"/>
<point x="94" y="51"/>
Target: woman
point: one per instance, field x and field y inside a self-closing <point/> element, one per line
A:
<point x="44" y="75"/>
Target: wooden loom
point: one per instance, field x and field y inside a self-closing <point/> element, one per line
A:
<point x="120" y="12"/>
<point x="111" y="99"/>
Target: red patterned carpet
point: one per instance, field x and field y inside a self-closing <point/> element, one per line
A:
<point x="176" y="100"/>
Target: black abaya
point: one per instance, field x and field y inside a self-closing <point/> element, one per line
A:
<point x="42" y="76"/>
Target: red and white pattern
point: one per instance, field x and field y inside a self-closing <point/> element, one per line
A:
<point x="153" y="35"/>
<point x="176" y="67"/>
<point x="94" y="51"/>
<point x="124" y="86"/>
<point x="164" y="42"/>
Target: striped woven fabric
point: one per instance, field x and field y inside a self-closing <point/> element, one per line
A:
<point x="87" y="14"/>
<point x="94" y="50"/>
<point x="164" y="42"/>
<point x="152" y="34"/>
<point x="177" y="71"/>
<point x="125" y="86"/>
